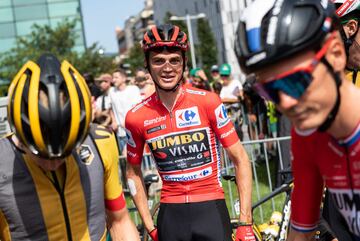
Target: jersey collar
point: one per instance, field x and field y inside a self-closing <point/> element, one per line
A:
<point x="352" y="138"/>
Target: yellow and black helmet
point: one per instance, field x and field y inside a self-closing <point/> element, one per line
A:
<point x="49" y="107"/>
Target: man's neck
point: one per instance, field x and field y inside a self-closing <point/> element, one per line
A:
<point x="168" y="98"/>
<point x="122" y="87"/>
<point x="348" y="116"/>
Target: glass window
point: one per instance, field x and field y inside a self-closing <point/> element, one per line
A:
<point x="79" y="38"/>
<point x="54" y="1"/>
<point x="7" y="30"/>
<point x="6" y="15"/>
<point x="25" y="27"/>
<point x="63" y="9"/>
<point x="5" y="3"/>
<point x="30" y="12"/>
<point x="7" y="44"/>
<point x="27" y="2"/>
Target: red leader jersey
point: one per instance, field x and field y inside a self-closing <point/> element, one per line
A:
<point x="184" y="143"/>
<point x="320" y="159"/>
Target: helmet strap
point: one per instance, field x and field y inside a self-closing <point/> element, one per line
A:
<point x="334" y="111"/>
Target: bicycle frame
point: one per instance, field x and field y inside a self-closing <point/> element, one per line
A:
<point x="286" y="211"/>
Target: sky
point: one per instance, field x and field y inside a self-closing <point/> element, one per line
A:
<point x="101" y="17"/>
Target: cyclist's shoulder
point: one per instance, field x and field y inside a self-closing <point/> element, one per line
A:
<point x="193" y="91"/>
<point x="102" y="136"/>
<point x="201" y="97"/>
<point x="307" y="134"/>
<point x="309" y="139"/>
<point x="6" y="143"/>
<point x="143" y="107"/>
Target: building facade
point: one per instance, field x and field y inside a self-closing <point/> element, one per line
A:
<point x="222" y="15"/>
<point x="17" y="17"/>
<point x="134" y="28"/>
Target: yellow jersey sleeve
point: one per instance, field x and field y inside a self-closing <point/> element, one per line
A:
<point x="105" y="141"/>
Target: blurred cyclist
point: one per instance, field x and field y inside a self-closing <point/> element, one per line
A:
<point x="57" y="180"/>
<point x="295" y="49"/>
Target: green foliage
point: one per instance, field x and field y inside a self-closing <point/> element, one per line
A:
<point x="135" y="58"/>
<point x="59" y="41"/>
<point x="206" y="49"/>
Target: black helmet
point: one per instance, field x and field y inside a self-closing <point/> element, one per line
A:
<point x="49" y="107"/>
<point x="272" y="30"/>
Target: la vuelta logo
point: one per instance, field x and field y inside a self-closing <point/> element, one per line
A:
<point x="187" y="117"/>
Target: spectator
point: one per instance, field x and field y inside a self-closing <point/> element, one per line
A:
<point x="103" y="105"/>
<point x="232" y="89"/>
<point x="217" y="86"/>
<point x="215" y="75"/>
<point x="122" y="97"/>
<point x="94" y="89"/>
<point x="144" y="82"/>
<point x="199" y="79"/>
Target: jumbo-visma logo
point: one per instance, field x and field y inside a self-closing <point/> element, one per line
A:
<point x="187" y="117"/>
<point x="221" y="116"/>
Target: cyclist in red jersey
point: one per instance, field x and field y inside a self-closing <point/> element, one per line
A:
<point x="295" y="49"/>
<point x="183" y="127"/>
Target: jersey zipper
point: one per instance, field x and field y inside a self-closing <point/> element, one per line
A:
<point x="63" y="204"/>
<point x="170" y="114"/>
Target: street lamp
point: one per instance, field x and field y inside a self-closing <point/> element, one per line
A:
<point x="188" y="19"/>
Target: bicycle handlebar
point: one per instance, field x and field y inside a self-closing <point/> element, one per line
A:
<point x="286" y="187"/>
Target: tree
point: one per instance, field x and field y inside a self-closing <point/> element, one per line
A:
<point x="59" y="41"/>
<point x="135" y="58"/>
<point x="206" y="49"/>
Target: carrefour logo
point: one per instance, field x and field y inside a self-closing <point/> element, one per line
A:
<point x="189" y="176"/>
<point x="187" y="117"/>
<point x="221" y="116"/>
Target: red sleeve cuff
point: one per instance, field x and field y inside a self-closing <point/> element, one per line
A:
<point x="116" y="204"/>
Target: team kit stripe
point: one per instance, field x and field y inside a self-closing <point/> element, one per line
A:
<point x="302" y="227"/>
<point x="116" y="204"/>
<point x="51" y="204"/>
<point x="4" y="227"/>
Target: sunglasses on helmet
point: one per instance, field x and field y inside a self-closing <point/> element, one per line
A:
<point x="294" y="82"/>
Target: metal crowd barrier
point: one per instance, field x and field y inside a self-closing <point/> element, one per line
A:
<point x="257" y="151"/>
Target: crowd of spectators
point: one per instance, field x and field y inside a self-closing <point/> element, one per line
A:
<point x="115" y="93"/>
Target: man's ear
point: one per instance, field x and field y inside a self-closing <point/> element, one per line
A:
<point x="336" y="55"/>
<point x="351" y="28"/>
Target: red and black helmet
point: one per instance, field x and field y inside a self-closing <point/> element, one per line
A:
<point x="166" y="35"/>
